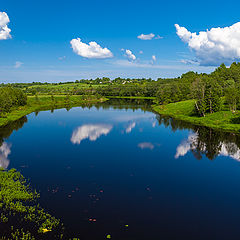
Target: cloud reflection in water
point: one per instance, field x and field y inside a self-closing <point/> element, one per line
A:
<point x="5" y="150"/>
<point x="146" y="145"/>
<point x="192" y="143"/>
<point x="90" y="131"/>
<point x="130" y="127"/>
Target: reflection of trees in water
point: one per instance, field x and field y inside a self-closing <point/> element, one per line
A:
<point x="126" y="103"/>
<point x="204" y="141"/>
<point x="5" y="132"/>
<point x="116" y="103"/>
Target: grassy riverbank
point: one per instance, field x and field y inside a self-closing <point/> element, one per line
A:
<point x="184" y="110"/>
<point x="46" y="102"/>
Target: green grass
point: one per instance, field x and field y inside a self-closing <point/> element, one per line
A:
<point x="64" y="88"/>
<point x="45" y="102"/>
<point x="184" y="110"/>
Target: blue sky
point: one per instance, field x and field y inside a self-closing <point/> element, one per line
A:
<point x="39" y="47"/>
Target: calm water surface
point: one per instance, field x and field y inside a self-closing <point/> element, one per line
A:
<point x="99" y="169"/>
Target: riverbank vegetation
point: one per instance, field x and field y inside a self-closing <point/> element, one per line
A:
<point x="45" y="102"/>
<point x="21" y="216"/>
<point x="185" y="111"/>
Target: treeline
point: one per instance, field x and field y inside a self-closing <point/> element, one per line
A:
<point x="212" y="92"/>
<point x="11" y="97"/>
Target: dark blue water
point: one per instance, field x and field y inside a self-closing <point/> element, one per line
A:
<point x="129" y="173"/>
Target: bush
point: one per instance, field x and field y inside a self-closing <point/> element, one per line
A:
<point x="11" y="97"/>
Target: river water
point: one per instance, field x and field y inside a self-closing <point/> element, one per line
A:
<point x="119" y="169"/>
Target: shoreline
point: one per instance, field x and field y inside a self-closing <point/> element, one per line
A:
<point x="45" y="102"/>
<point x="222" y="120"/>
<point x="128" y="97"/>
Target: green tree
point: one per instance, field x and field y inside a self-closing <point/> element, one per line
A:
<point x="207" y="93"/>
<point x="232" y="96"/>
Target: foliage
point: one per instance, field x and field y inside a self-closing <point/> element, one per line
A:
<point x="21" y="216"/>
<point x="207" y="93"/>
<point x="232" y="96"/>
<point x="185" y="111"/>
<point x="10" y="97"/>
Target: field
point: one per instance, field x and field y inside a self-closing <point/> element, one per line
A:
<point x="225" y="120"/>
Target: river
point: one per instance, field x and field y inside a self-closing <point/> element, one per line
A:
<point x="119" y="169"/>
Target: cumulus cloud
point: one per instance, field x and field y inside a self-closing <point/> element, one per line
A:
<point x="18" y="64"/>
<point x="91" y="50"/>
<point x="146" y="145"/>
<point x="146" y="36"/>
<point x="4" y="30"/>
<point x="130" y="55"/>
<point x="90" y="131"/>
<point x="130" y="127"/>
<point x="214" y="46"/>
<point x="5" y="150"/>
<point x="149" y="36"/>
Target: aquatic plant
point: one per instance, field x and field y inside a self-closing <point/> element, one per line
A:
<point x="21" y="217"/>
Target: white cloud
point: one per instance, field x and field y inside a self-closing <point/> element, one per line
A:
<point x="5" y="150"/>
<point x="91" y="50"/>
<point x="214" y="46"/>
<point x="141" y="52"/>
<point x="62" y="58"/>
<point x="130" y="127"/>
<point x="146" y="36"/>
<point x="189" y="61"/>
<point x="146" y="145"/>
<point x="158" y="37"/>
<point x="18" y="64"/>
<point x="90" y="131"/>
<point x="153" y="60"/>
<point x="4" y="30"/>
<point x="149" y="36"/>
<point x="130" y="55"/>
<point x="125" y="63"/>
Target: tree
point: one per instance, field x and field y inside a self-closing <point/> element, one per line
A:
<point x="232" y="96"/>
<point x="10" y="97"/>
<point x="207" y="93"/>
